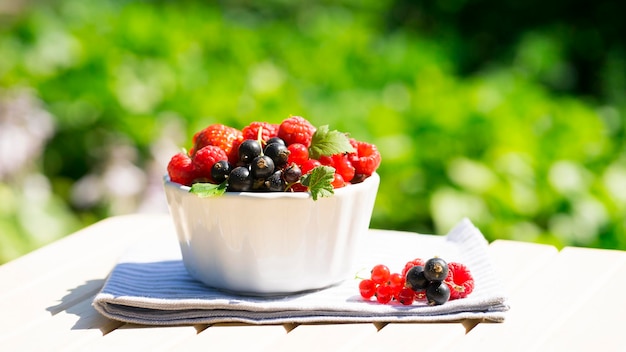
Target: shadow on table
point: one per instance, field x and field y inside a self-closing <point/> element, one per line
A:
<point x="78" y="302"/>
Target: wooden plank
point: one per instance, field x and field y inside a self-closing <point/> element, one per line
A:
<point x="77" y="267"/>
<point x="407" y="336"/>
<point x="232" y="337"/>
<point x="547" y="296"/>
<point x="322" y="337"/>
<point x="75" y="325"/>
<point x="132" y="337"/>
<point x="597" y="322"/>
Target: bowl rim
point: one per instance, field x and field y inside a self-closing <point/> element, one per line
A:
<point x="374" y="177"/>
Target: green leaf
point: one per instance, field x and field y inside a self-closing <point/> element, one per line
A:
<point x="327" y="142"/>
<point x="204" y="190"/>
<point x="319" y="181"/>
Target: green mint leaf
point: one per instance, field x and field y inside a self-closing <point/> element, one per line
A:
<point x="319" y="181"/>
<point x="204" y="190"/>
<point x="327" y="142"/>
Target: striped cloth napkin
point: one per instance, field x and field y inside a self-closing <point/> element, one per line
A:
<point x="150" y="285"/>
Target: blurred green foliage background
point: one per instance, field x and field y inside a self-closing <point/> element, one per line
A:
<point x="509" y="113"/>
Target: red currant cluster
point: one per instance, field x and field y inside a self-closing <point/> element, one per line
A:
<point x="433" y="281"/>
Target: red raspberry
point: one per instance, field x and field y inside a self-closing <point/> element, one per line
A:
<point x="181" y="169"/>
<point x="296" y="129"/>
<point x="412" y="263"/>
<point x="251" y="131"/>
<point x="205" y="158"/>
<point x="366" y="159"/>
<point x="225" y="137"/>
<point x="459" y="280"/>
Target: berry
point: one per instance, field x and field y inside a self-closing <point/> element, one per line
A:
<point x="292" y="173"/>
<point x="275" y="140"/>
<point x="251" y="131"/>
<point x="296" y="129"/>
<point x="248" y="150"/>
<point x="298" y="153"/>
<point x="262" y="167"/>
<point x="459" y="280"/>
<point x="181" y="169"/>
<point x="415" y="278"/>
<point x="338" y="181"/>
<point x="384" y="294"/>
<point x="412" y="263"/>
<point x="380" y="274"/>
<point x="437" y="293"/>
<point x="343" y="166"/>
<point x="367" y="288"/>
<point x="309" y="165"/>
<point x="275" y="182"/>
<point x="406" y="296"/>
<point x="396" y="282"/>
<point x="220" y="171"/>
<point x="278" y="152"/>
<point x="365" y="159"/>
<point x="204" y="159"/>
<point x="240" y="179"/>
<point x="435" y="269"/>
<point x="218" y="135"/>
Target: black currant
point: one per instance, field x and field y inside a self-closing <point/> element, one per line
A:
<point x="437" y="293"/>
<point x="275" y="140"/>
<point x="220" y="171"/>
<point x="275" y="182"/>
<point x="240" y="179"/>
<point x="292" y="173"/>
<point x="436" y="269"/>
<point x="248" y="150"/>
<point x="262" y="167"/>
<point x="278" y="152"/>
<point x="415" y="278"/>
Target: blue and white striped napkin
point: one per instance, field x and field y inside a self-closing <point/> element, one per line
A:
<point x="150" y="285"/>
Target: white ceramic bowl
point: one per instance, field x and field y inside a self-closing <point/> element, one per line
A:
<point x="271" y="243"/>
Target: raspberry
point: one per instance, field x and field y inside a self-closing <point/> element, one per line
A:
<point x="225" y="137"/>
<point x="205" y="158"/>
<point x="459" y="280"/>
<point x="365" y="159"/>
<point x="251" y="131"/>
<point x="181" y="169"/>
<point x="296" y="129"/>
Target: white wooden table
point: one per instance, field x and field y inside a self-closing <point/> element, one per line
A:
<point x="566" y="300"/>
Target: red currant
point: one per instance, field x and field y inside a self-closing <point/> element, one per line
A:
<point x="309" y="165"/>
<point x="380" y="274"/>
<point x="298" y="154"/>
<point x="406" y="296"/>
<point x="367" y="288"/>
<point x="396" y="282"/>
<point x="338" y="181"/>
<point x="343" y="166"/>
<point x="383" y="294"/>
